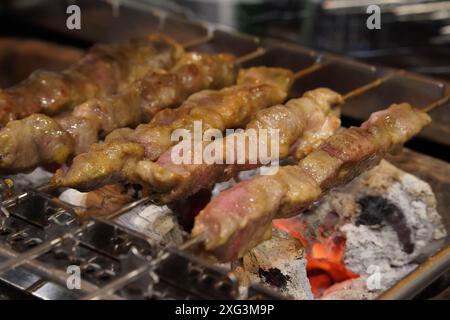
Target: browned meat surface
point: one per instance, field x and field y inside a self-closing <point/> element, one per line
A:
<point x="76" y="131"/>
<point x="115" y="160"/>
<point x="301" y="124"/>
<point x="19" y="147"/>
<point x="238" y="219"/>
<point x="104" y="69"/>
<point x="108" y="199"/>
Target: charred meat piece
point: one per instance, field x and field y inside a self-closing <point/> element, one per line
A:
<point x="115" y="160"/>
<point x="105" y="69"/>
<point x="239" y="218"/>
<point x="301" y="123"/>
<point x="139" y="102"/>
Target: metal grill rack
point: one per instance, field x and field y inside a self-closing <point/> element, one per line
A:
<point x="42" y="236"/>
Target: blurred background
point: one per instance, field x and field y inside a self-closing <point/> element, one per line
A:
<point x="414" y="34"/>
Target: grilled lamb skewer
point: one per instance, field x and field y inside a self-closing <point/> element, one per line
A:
<point x="115" y="159"/>
<point x="104" y="70"/>
<point x="240" y="217"/>
<point x="304" y="123"/>
<point x="301" y="123"/>
<point x="38" y="139"/>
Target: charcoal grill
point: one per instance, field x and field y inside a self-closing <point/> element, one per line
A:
<point x="42" y="235"/>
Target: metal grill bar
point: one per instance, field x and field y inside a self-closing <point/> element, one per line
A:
<point x="420" y="278"/>
<point x="118" y="283"/>
<point x="134" y="274"/>
<point x="50" y="273"/>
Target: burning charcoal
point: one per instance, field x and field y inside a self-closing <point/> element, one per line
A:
<point x="352" y="289"/>
<point x="397" y="220"/>
<point x="404" y="209"/>
<point x="325" y="264"/>
<point x="278" y="263"/>
<point x="274" y="277"/>
<point x="411" y="223"/>
<point x="375" y="210"/>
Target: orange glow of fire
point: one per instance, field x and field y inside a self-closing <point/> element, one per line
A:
<point x="325" y="265"/>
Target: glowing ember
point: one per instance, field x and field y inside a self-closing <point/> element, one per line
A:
<point x="325" y="265"/>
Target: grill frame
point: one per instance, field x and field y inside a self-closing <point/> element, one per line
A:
<point x="361" y="80"/>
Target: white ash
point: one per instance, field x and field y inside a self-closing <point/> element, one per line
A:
<point x="374" y="253"/>
<point x="158" y="223"/>
<point x="353" y="289"/>
<point x="73" y="197"/>
<point x="378" y="250"/>
<point x="38" y="177"/>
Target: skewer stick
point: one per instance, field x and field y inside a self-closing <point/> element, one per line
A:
<point x="48" y="187"/>
<point x="200" y="238"/>
<point x="32" y="253"/>
<point x="436" y="104"/>
<point x="358" y="91"/>
<point x="258" y="52"/>
<point x="129" y="206"/>
<point x="310" y="69"/>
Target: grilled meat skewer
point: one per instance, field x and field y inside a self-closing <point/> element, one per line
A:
<point x="115" y="159"/>
<point x="301" y="123"/>
<point x="240" y="217"/>
<point x="104" y="70"/>
<point x="38" y="139"/>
